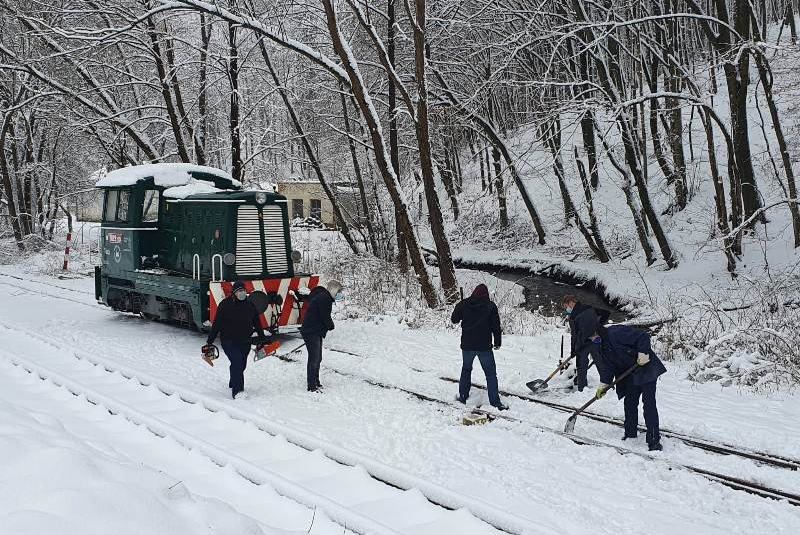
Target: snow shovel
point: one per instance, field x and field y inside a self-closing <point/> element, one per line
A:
<point x="540" y="384"/>
<point x="570" y="427"/>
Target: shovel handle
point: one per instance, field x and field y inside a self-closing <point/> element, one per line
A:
<point x="612" y="385"/>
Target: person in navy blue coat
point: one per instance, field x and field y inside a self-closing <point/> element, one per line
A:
<point x="316" y="324"/>
<point x="622" y="347"/>
<point x="584" y="321"/>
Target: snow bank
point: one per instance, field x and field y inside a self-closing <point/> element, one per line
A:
<point x="164" y="174"/>
<point x="53" y="481"/>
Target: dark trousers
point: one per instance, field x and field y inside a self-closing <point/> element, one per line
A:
<point x="237" y="353"/>
<point x="486" y="359"/>
<point x="647" y="392"/>
<point x="582" y="365"/>
<point x="314" y="347"/>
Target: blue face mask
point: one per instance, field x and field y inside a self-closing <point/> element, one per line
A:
<point x="241" y="295"/>
<point x="568" y="310"/>
<point x="338" y="296"/>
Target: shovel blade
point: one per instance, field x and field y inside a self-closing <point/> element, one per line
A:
<point x="570" y="427"/>
<point x="536" y="385"/>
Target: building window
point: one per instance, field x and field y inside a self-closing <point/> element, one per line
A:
<point x="297" y="208"/>
<point x="316" y="209"/>
<point x="150" y="206"/>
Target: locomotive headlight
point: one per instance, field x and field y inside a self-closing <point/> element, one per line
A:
<point x="261" y="197"/>
<point x="229" y="259"/>
<point x="296" y="257"/>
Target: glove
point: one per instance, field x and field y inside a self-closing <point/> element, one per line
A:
<point x="596" y="338"/>
<point x="642" y="359"/>
<point x="601" y="390"/>
<point x="496" y="348"/>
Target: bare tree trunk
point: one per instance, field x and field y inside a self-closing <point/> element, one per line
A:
<point x="345" y="55"/>
<point x="310" y="154"/>
<point x="359" y="179"/>
<point x="234" y="119"/>
<point x="447" y="272"/>
<point x="7" y="188"/>
<point x="765" y="75"/>
<point x="394" y="150"/>
<point x="499" y="187"/>
<point x="201" y="132"/>
<point x="602" y="252"/>
<point x="166" y="93"/>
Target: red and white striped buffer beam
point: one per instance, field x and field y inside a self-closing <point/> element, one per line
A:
<point x="290" y="313"/>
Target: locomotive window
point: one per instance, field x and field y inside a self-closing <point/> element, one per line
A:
<point x="297" y="208"/>
<point x="150" y="206"/>
<point x="122" y="208"/>
<point x="110" y="211"/>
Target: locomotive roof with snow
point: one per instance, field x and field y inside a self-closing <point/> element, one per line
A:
<point x="179" y="179"/>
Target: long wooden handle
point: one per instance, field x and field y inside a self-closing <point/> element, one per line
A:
<point x="612" y="385"/>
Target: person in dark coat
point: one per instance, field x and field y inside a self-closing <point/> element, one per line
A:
<point x="235" y="322"/>
<point x="622" y="347"/>
<point x="316" y="324"/>
<point x="480" y="323"/>
<point x="580" y="331"/>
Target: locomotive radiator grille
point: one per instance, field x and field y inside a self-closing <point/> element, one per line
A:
<point x="248" y="242"/>
<point x="276" y="240"/>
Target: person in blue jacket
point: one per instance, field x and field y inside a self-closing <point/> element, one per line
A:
<point x="622" y="347"/>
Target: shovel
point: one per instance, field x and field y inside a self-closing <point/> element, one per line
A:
<point x="570" y="427"/>
<point x="540" y="384"/>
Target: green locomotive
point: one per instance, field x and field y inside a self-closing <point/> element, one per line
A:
<point x="175" y="237"/>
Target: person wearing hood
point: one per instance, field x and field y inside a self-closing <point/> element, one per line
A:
<point x="316" y="324"/>
<point x="480" y="323"/>
<point x="235" y="322"/>
<point x="584" y="321"/>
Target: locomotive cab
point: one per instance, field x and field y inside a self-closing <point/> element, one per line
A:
<point x="175" y="236"/>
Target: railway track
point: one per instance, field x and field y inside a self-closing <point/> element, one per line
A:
<point x="734" y="482"/>
<point x="714" y="447"/>
<point x="357" y="492"/>
<point x="401" y="481"/>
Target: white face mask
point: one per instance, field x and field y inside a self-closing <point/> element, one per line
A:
<point x="241" y="295"/>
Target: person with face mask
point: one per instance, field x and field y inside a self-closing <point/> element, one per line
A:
<point x="316" y="324"/>
<point x="583" y="323"/>
<point x="235" y="322"/>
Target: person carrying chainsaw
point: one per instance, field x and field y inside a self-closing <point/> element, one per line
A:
<point x="580" y="330"/>
<point x="236" y="320"/>
<point x="621" y="348"/>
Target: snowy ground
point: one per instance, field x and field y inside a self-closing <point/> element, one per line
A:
<point x="515" y="467"/>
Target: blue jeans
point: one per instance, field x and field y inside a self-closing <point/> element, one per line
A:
<point x="647" y="392"/>
<point x="486" y="359"/>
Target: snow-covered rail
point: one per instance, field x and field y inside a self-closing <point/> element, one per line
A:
<point x="357" y="492"/>
<point x="703" y="444"/>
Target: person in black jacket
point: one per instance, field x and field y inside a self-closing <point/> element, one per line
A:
<point x="235" y="322"/>
<point x="316" y="324"/>
<point x="622" y="347"/>
<point x="580" y="347"/>
<point x="480" y="322"/>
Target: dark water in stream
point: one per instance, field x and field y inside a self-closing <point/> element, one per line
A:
<point x="546" y="294"/>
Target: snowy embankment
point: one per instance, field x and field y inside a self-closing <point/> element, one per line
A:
<point x="516" y="467"/>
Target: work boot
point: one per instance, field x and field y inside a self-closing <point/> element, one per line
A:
<point x="462" y="399"/>
<point x="656" y="446"/>
<point x="313" y="389"/>
<point x="500" y="406"/>
<point x="626" y="437"/>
